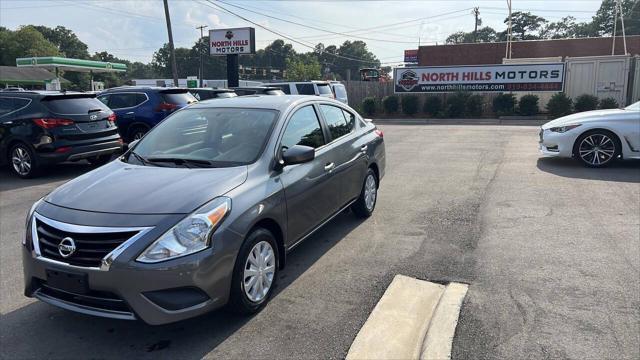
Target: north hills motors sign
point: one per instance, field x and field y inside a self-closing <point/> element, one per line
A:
<point x="232" y="41"/>
<point x="480" y="78"/>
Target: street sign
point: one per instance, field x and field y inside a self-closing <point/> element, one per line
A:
<point x="232" y="41"/>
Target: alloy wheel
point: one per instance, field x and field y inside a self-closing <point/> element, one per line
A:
<point x="597" y="149"/>
<point x="21" y="160"/>
<point x="259" y="271"/>
<point x="138" y="135"/>
<point x="370" y="192"/>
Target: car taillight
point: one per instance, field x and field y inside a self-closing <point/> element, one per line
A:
<point x="164" y="106"/>
<point x="379" y="133"/>
<point x="47" y="123"/>
<point x="112" y="118"/>
<point x="63" y="149"/>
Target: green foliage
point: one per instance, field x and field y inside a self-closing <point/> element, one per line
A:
<point x="432" y="105"/>
<point x="485" y="34"/>
<point x="559" y="105"/>
<point x="67" y="42"/>
<point x="504" y="104"/>
<point x="369" y="106"/>
<point x="585" y="102"/>
<point x="303" y="69"/>
<point x="525" y="25"/>
<point x="410" y="104"/>
<point x="456" y="104"/>
<point x="608" y="103"/>
<point x="473" y="105"/>
<point x="528" y="105"/>
<point x="390" y="104"/>
<point x="24" y="42"/>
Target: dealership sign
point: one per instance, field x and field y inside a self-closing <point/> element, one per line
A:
<point x="480" y="78"/>
<point x="411" y="56"/>
<point x="232" y="41"/>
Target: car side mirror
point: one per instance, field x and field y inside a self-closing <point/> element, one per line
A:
<point x="298" y="154"/>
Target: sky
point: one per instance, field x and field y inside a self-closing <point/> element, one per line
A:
<point x="134" y="29"/>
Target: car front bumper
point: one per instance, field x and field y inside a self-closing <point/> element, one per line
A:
<point x="556" y="144"/>
<point x="156" y="293"/>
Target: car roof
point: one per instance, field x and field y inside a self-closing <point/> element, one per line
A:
<point x="212" y="89"/>
<point x="140" y="88"/>
<point x="263" y="87"/>
<point x="43" y="93"/>
<point x="280" y="103"/>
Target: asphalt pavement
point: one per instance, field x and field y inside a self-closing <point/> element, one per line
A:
<point x="551" y="251"/>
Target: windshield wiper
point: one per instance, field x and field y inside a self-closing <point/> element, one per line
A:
<point x="182" y="161"/>
<point x="139" y="158"/>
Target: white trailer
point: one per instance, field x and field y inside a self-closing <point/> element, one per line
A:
<point x="602" y="76"/>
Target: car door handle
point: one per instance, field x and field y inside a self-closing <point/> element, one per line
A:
<point x="363" y="148"/>
<point x="329" y="166"/>
<point x="130" y="113"/>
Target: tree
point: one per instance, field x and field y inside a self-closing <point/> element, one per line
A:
<point x="565" y="28"/>
<point x="485" y="34"/>
<point x="67" y="42"/>
<point x="304" y="68"/>
<point x="353" y="55"/>
<point x="24" y="42"/>
<point x="525" y="25"/>
<point x="603" y="20"/>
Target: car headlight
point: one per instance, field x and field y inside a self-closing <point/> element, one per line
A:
<point x="29" y="216"/>
<point x="190" y="235"/>
<point x="563" y="129"/>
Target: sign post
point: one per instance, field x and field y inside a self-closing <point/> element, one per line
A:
<point x="231" y="43"/>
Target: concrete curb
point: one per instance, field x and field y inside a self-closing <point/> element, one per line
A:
<point x="414" y="319"/>
<point x="509" y="122"/>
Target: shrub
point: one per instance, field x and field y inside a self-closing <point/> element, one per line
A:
<point x="608" y="103"/>
<point x="559" y="105"/>
<point x="409" y="104"/>
<point x="528" y="105"/>
<point x="504" y="104"/>
<point x="473" y="105"/>
<point x="390" y="104"/>
<point x="456" y="104"/>
<point x="585" y="102"/>
<point x="369" y="106"/>
<point x="432" y="105"/>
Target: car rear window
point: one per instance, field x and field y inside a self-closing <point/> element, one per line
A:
<point x="274" y="92"/>
<point x="73" y="106"/>
<point x="305" y="89"/>
<point x="285" y="88"/>
<point x="178" y="98"/>
<point x="227" y="95"/>
<point x="340" y="90"/>
<point x="324" y="89"/>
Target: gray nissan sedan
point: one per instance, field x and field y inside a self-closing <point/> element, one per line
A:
<point x="202" y="211"/>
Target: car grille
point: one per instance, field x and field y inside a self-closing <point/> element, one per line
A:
<point x="100" y="301"/>
<point x="91" y="248"/>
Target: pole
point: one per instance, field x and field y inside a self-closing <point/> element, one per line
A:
<point x="476" y="12"/>
<point x="508" y="50"/>
<point x="172" y="51"/>
<point x="201" y="71"/>
<point x="624" y="35"/>
<point x="232" y="71"/>
<point x="615" y="23"/>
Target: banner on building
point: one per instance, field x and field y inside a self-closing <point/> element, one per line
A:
<point x="411" y="56"/>
<point x="480" y="78"/>
<point x="232" y="41"/>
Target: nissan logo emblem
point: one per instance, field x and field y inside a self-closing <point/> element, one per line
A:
<point x="66" y="247"/>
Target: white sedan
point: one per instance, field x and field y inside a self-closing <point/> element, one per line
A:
<point x="597" y="138"/>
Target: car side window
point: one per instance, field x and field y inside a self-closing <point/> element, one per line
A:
<point x="104" y="99"/>
<point x="285" y="88"/>
<point x="303" y="129"/>
<point x="120" y="101"/>
<point x="350" y="117"/>
<point x="339" y="125"/>
<point x="305" y="89"/>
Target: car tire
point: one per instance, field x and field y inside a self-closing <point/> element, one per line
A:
<point x="597" y="148"/>
<point x="366" y="203"/>
<point x="137" y="132"/>
<point x="246" y="297"/>
<point x="22" y="161"/>
<point x="99" y="160"/>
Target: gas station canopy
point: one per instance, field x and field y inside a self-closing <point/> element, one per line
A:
<point x="60" y="63"/>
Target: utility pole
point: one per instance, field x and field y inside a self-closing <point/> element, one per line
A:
<point x="201" y="72"/>
<point x="508" y="50"/>
<point x="475" y="12"/>
<point x="172" y="50"/>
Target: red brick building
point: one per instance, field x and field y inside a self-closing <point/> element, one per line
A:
<point x="493" y="53"/>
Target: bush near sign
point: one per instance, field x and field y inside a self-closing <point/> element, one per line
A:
<point x="480" y="78"/>
<point x="232" y="41"/>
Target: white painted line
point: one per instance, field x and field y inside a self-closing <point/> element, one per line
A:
<point x="396" y="326"/>
<point x="439" y="337"/>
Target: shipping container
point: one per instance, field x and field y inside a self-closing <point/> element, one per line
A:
<point x="602" y="76"/>
<point x="635" y="84"/>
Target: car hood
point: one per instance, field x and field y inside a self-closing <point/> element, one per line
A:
<point x="587" y="116"/>
<point x="124" y="188"/>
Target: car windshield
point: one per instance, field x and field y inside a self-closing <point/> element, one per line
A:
<point x="634" y="107"/>
<point x="214" y="137"/>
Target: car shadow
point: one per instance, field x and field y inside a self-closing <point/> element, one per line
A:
<point x="58" y="172"/>
<point x="38" y="330"/>
<point x="620" y="171"/>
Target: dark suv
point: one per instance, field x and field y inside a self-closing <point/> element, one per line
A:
<point x="39" y="128"/>
<point x="139" y="108"/>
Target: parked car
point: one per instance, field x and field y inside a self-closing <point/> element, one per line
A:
<point x="223" y="190"/>
<point x="209" y="93"/>
<point x="39" y="128"/>
<point x="11" y="88"/>
<point x="139" y="108"/>
<point x="318" y="88"/>
<point x="339" y="91"/>
<point x="596" y="138"/>
<point x="258" y="90"/>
